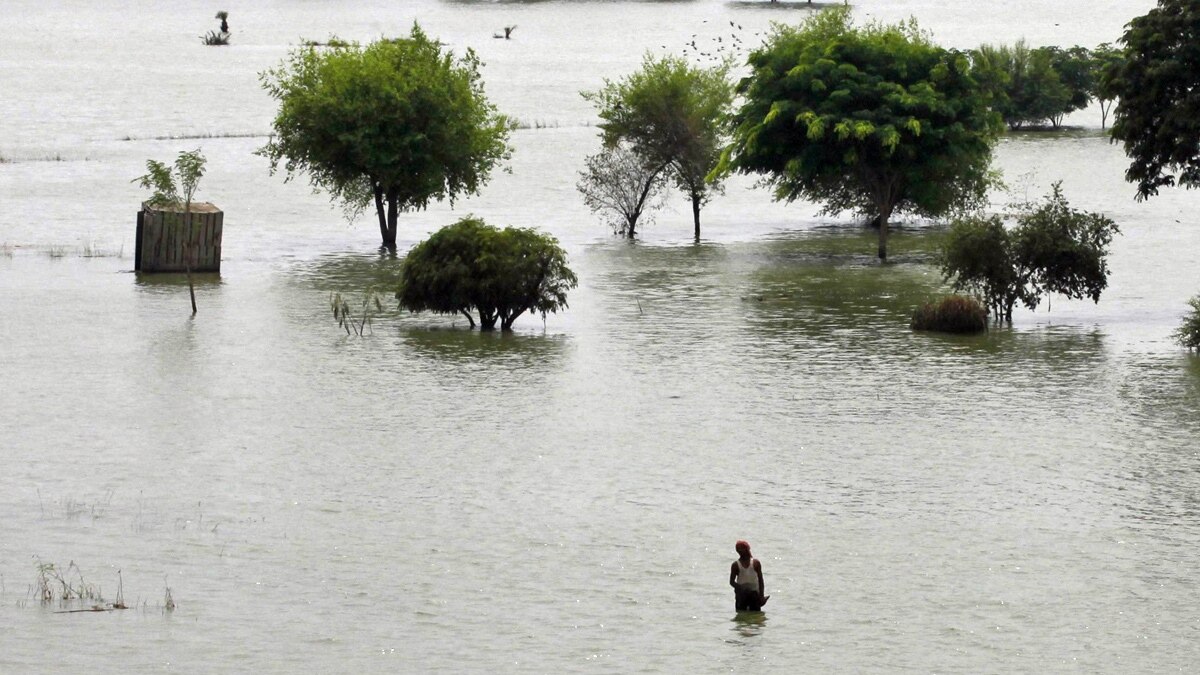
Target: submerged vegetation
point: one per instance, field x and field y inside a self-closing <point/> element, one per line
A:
<point x="1052" y="249"/>
<point x="472" y="267"/>
<point x="355" y="320"/>
<point x="1188" y="334"/>
<point x="951" y="314"/>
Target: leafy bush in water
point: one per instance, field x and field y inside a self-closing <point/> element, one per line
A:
<point x="499" y="274"/>
<point x="951" y="314"/>
<point x="1188" y="334"/>
<point x="215" y="39"/>
<point x="1052" y="249"/>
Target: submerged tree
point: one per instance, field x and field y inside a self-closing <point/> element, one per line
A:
<point x="673" y="115"/>
<point x="875" y="120"/>
<point x="1023" y="84"/>
<point x="499" y="274"/>
<point x="1052" y="249"/>
<point x="1157" y="116"/>
<point x="396" y="124"/>
<point x="174" y="186"/>
<point x="1106" y="61"/>
<point x="1188" y="333"/>
<point x="620" y="184"/>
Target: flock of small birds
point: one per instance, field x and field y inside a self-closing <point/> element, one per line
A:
<point x="719" y="48"/>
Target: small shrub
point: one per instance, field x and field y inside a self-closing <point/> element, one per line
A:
<point x="215" y="39"/>
<point x="1188" y="334"/>
<point x="951" y="314"/>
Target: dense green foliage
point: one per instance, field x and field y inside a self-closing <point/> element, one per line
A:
<point x="1052" y="249"/>
<point x="1188" y="334"/>
<point x="875" y="120"/>
<point x="395" y="124"/>
<point x="1024" y="86"/>
<point x="500" y="274"/>
<point x="673" y="115"/>
<point x="622" y="185"/>
<point x="1157" y="116"/>
<point x="1039" y="86"/>
<point x="951" y="314"/>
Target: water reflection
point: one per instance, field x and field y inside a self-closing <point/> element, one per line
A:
<point x="749" y="624"/>
<point x="353" y="272"/>
<point x="170" y="283"/>
<point x="486" y="349"/>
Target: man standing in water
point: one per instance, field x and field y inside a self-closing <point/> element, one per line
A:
<point x="746" y="577"/>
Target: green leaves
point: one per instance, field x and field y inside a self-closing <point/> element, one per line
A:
<point x="500" y="274"/>
<point x="871" y="119"/>
<point x="399" y="116"/>
<point x="173" y="185"/>
<point x="1156" y="114"/>
<point x="1052" y="249"/>
<point x="672" y="115"/>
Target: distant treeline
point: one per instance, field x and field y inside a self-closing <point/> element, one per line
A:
<point x="1039" y="86"/>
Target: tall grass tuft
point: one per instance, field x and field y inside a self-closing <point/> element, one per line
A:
<point x="345" y="316"/>
<point x="1188" y="334"/>
<point x="951" y="314"/>
<point x="215" y="39"/>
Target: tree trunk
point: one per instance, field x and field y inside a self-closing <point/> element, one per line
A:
<point x="470" y="319"/>
<point x="389" y="235"/>
<point x="487" y="319"/>
<point x="630" y="226"/>
<point x="696" y="212"/>
<point x="379" y="210"/>
<point x="883" y="233"/>
<point x="507" y="322"/>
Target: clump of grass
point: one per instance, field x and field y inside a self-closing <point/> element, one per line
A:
<point x="1188" y="334"/>
<point x="53" y="584"/>
<point x="5" y="160"/>
<point x="345" y="316"/>
<point x="6" y="250"/>
<point x="64" y="587"/>
<point x="56" y="251"/>
<point x="215" y="39"/>
<point x="951" y="314"/>
<point x="91" y="250"/>
<point x="333" y="41"/>
<point x="535" y="124"/>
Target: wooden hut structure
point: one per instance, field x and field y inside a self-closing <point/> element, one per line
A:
<point x="162" y="238"/>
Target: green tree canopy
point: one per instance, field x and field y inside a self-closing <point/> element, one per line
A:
<point x="395" y="124"/>
<point x="674" y="115"/>
<point x="1157" y="85"/>
<point x="499" y="274"/>
<point x="1052" y="249"/>
<point x="875" y="120"/>
<point x="1106" y="60"/>
<point x="1023" y="84"/>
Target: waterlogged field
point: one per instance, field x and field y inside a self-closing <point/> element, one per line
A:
<point x="564" y="498"/>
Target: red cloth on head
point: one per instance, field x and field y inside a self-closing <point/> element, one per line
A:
<point x="742" y="546"/>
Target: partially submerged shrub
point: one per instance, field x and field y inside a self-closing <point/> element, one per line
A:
<point x="215" y="39"/>
<point x="1188" y="334"/>
<point x="951" y="314"/>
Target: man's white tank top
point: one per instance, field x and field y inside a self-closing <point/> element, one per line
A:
<point x="747" y="576"/>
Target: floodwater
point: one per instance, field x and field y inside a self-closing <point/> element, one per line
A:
<point x="565" y="498"/>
